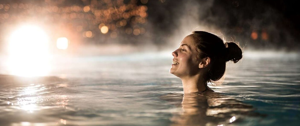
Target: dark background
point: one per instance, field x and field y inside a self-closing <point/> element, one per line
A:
<point x="254" y="24"/>
<point x="276" y="22"/>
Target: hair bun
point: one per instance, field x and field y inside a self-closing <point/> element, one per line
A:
<point x="234" y="52"/>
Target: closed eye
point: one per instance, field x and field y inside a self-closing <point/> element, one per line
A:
<point x="184" y="46"/>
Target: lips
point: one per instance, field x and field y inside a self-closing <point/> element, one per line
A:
<point x="175" y="62"/>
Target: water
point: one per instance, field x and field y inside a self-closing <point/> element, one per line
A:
<point x="138" y="90"/>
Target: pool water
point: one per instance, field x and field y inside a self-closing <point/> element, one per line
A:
<point x="134" y="91"/>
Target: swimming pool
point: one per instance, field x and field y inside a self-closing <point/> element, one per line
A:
<point x="130" y="91"/>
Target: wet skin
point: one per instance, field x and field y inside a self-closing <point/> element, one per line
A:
<point x="185" y="62"/>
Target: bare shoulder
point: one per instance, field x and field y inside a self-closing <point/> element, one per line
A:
<point x="217" y="100"/>
<point x="211" y="94"/>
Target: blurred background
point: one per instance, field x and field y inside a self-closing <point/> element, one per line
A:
<point x="92" y="27"/>
<point x="106" y="62"/>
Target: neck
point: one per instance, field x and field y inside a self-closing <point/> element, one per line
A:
<point x="194" y="84"/>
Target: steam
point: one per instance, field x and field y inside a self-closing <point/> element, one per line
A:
<point x="236" y="21"/>
<point x="168" y="22"/>
<point x="191" y="20"/>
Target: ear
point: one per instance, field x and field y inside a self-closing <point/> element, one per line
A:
<point x="204" y="62"/>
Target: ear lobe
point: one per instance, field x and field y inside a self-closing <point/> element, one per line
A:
<point x="204" y="62"/>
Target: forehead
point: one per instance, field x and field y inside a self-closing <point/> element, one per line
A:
<point x="189" y="40"/>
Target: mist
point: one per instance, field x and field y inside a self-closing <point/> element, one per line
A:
<point x="137" y="26"/>
<point x="149" y="30"/>
<point x="254" y="25"/>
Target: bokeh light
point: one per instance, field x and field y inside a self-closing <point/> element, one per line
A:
<point x="104" y="29"/>
<point x="136" y="31"/>
<point x="28" y="52"/>
<point x="89" y="34"/>
<point x="79" y="20"/>
<point x="86" y="8"/>
<point x="62" y="43"/>
<point x="254" y="35"/>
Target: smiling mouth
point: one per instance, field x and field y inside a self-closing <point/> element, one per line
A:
<point x="175" y="63"/>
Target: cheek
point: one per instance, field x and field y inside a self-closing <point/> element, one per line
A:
<point x="187" y="62"/>
<point x="184" y="59"/>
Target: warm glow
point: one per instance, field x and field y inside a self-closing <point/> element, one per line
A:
<point x="264" y="35"/>
<point x="89" y="34"/>
<point x="136" y="31"/>
<point x="143" y="14"/>
<point x="62" y="43"/>
<point x="104" y="29"/>
<point x="28" y="52"/>
<point x="29" y="100"/>
<point x="254" y="35"/>
<point x="86" y="9"/>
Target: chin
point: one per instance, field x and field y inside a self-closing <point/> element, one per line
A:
<point x="174" y="73"/>
<point x="171" y="71"/>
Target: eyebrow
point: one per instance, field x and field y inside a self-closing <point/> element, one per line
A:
<point x="186" y="45"/>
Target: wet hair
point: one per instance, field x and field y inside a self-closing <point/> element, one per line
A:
<point x="210" y="45"/>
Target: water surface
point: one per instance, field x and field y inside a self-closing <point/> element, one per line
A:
<point x="130" y="91"/>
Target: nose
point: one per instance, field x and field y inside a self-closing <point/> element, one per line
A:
<point x="174" y="53"/>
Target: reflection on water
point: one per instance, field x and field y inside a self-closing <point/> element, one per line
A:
<point x="209" y="109"/>
<point x="133" y="93"/>
<point x="29" y="97"/>
<point x="26" y="102"/>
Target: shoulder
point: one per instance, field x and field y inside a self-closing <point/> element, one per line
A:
<point x="211" y="93"/>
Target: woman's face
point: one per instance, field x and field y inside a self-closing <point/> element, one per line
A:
<point x="185" y="62"/>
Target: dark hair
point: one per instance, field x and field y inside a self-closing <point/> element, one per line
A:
<point x="212" y="46"/>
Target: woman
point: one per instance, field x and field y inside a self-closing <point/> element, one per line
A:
<point x="201" y="58"/>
